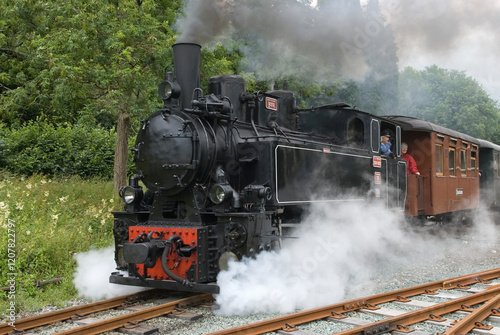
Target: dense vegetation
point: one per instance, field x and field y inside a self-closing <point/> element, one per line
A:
<point x="77" y="76"/>
<point x="62" y="150"/>
<point x="451" y="99"/>
<point x="52" y="219"/>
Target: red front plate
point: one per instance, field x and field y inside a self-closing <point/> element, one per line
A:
<point x="178" y="265"/>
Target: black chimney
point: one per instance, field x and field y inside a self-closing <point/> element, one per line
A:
<point x="187" y="70"/>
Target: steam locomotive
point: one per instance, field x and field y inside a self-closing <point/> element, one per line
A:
<point x="225" y="172"/>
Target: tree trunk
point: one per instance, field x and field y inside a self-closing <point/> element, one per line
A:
<point x="121" y="151"/>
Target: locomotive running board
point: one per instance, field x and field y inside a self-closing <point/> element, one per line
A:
<point x="118" y="278"/>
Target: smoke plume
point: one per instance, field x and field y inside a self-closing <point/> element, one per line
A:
<point x="91" y="277"/>
<point x="328" y="42"/>
<point x="282" y="30"/>
<point x="442" y="27"/>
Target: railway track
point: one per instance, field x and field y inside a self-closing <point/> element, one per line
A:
<point x="96" y="326"/>
<point x="458" y="305"/>
<point x="460" y="318"/>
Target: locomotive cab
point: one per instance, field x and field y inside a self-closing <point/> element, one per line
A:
<point x="356" y="136"/>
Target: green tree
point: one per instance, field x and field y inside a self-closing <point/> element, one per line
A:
<point x="91" y="62"/>
<point x="449" y="98"/>
<point x="23" y="92"/>
<point x="94" y="59"/>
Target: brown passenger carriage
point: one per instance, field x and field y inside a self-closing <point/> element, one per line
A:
<point x="448" y="164"/>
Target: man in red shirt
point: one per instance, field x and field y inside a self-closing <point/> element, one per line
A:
<point x="411" y="165"/>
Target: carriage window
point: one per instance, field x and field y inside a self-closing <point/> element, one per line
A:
<point x="439" y="159"/>
<point x="473" y="163"/>
<point x="355" y="132"/>
<point x="463" y="163"/>
<point x="495" y="163"/>
<point x="451" y="161"/>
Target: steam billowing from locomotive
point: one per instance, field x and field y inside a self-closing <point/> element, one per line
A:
<point x="227" y="172"/>
<point x="223" y="174"/>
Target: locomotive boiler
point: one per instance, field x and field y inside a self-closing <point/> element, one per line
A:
<point x="219" y="175"/>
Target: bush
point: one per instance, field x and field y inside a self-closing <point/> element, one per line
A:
<point x="67" y="150"/>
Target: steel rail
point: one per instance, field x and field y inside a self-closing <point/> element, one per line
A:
<point x="423" y="314"/>
<point x="67" y="313"/>
<point x="282" y="322"/>
<point x="467" y="323"/>
<point x="138" y="316"/>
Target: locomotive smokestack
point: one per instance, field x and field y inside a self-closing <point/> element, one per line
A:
<point x="187" y="70"/>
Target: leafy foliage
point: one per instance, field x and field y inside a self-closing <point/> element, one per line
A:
<point x="41" y="148"/>
<point x="65" y="59"/>
<point x="449" y="98"/>
<point x="88" y="62"/>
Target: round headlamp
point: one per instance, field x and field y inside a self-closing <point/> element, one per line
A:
<point x="169" y="89"/>
<point x="219" y="193"/>
<point x="128" y="194"/>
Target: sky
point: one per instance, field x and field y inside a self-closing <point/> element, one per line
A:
<point x="462" y="35"/>
<point x="459" y="35"/>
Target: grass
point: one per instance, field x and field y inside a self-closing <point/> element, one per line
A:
<point x="52" y="219"/>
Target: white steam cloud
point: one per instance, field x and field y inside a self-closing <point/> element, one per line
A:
<point x="340" y="250"/>
<point x="336" y="250"/>
<point x="91" y="277"/>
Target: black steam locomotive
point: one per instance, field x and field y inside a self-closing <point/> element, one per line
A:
<point x="225" y="172"/>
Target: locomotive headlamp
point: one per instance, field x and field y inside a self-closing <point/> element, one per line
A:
<point x="130" y="194"/>
<point x="127" y="194"/>
<point x="169" y="90"/>
<point x="220" y="192"/>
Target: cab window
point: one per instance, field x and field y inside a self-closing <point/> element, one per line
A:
<point x="355" y="132"/>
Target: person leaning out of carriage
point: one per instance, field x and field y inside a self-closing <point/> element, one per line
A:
<point x="385" y="145"/>
<point x="411" y="165"/>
